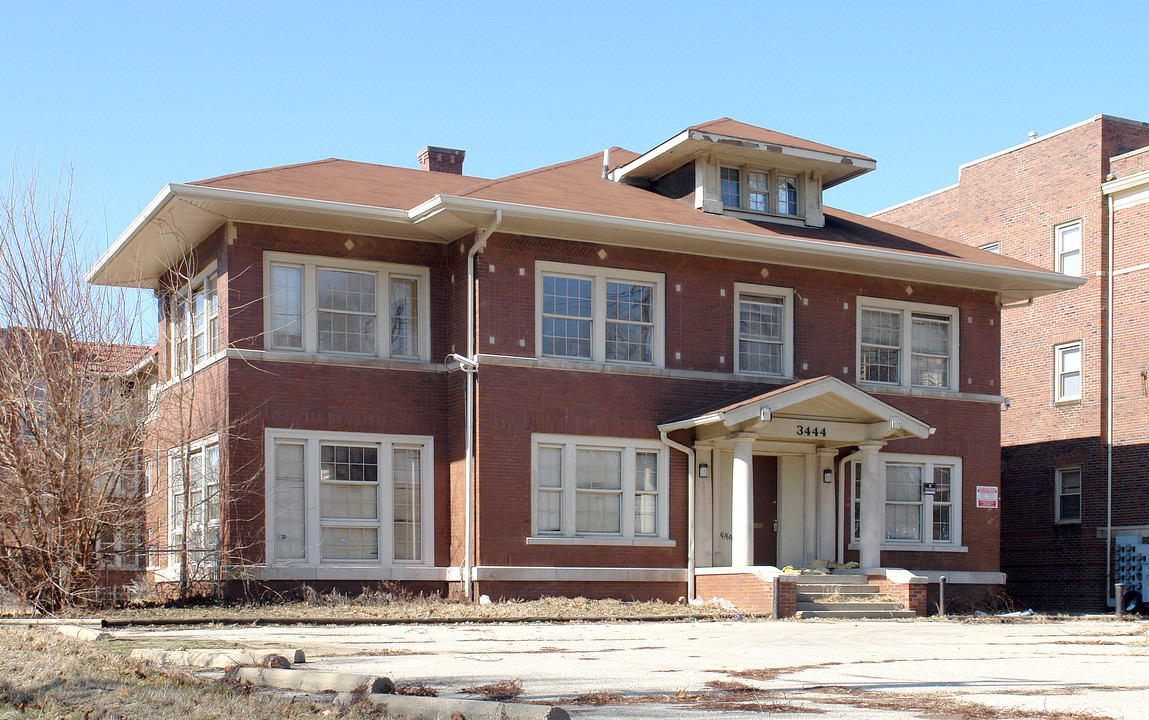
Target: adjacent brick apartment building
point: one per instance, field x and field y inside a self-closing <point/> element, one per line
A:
<point x="617" y="376"/>
<point x="1074" y="438"/>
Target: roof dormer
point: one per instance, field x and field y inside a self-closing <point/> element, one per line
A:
<point x="731" y="168"/>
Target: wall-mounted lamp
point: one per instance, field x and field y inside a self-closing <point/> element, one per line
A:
<point x="703" y="470"/>
<point x="827" y="475"/>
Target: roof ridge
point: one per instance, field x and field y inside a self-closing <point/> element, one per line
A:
<point x="246" y="173"/>
<point x="534" y="171"/>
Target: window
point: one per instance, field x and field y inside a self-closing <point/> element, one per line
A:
<point x="1068" y="495"/>
<point x="921" y="505"/>
<point x="749" y="189"/>
<point x="764" y="330"/>
<point x="346" y="307"/>
<point x="194" y="323"/>
<point x="889" y="331"/>
<point x="194" y="482"/>
<point x="599" y="488"/>
<point x="1067" y="360"/>
<point x="349" y="498"/>
<point x="1067" y="239"/>
<point x="993" y="247"/>
<point x="599" y="314"/>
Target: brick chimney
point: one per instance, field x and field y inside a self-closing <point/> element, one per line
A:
<point x="445" y="160"/>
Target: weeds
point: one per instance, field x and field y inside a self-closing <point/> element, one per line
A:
<point x="502" y="690"/>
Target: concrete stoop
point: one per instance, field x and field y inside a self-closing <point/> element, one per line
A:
<point x="845" y="597"/>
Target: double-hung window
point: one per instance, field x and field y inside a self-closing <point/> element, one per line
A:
<point x="1067" y="241"/>
<point x="338" y="307"/>
<point x="921" y="496"/>
<point x="764" y="330"/>
<point x="743" y="188"/>
<point x="587" y="487"/>
<point x="599" y="314"/>
<point x="349" y="498"/>
<point x="194" y="322"/>
<point x="1068" y="495"/>
<point x="1067" y="372"/>
<point x="194" y="490"/>
<point x="907" y="344"/>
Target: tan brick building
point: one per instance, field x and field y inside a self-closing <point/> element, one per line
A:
<point x="627" y="375"/>
<point x="1074" y="436"/>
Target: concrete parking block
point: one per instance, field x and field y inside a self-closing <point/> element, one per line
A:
<point x="312" y="681"/>
<point x="221" y="658"/>
<point x="82" y="633"/>
<point x="413" y="707"/>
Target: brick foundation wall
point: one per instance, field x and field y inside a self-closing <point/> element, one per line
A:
<point x="912" y="595"/>
<point x="749" y="593"/>
<point x="670" y="592"/>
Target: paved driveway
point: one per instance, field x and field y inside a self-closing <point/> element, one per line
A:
<point x="860" y="669"/>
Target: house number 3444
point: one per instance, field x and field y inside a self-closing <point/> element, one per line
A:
<point x="811" y="431"/>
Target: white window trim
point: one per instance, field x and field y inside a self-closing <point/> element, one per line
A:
<point x="1058" y="252"/>
<point x="570" y="444"/>
<point x="313" y="533"/>
<point x="173" y="455"/>
<point x="309" y="265"/>
<point x="772" y="175"/>
<point x="1059" y="370"/>
<point x="186" y="291"/>
<point x="787" y="297"/>
<point x="599" y="277"/>
<point x="1058" y="472"/>
<point x="928" y="462"/>
<point x="993" y="247"/>
<point x="907" y="310"/>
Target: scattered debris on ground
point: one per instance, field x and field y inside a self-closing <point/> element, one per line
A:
<point x="502" y="691"/>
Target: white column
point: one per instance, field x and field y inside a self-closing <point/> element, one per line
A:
<point x="810" y="510"/>
<point x="742" y="502"/>
<point x="826" y="511"/>
<point x="873" y="500"/>
<point x="704" y="510"/>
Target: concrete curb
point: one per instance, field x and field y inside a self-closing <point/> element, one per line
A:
<point x="311" y="681"/>
<point x="215" y="658"/>
<point x="158" y="621"/>
<point x="414" y="707"/>
<point x="82" y="633"/>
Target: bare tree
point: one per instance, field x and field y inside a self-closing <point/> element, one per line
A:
<point x="72" y="409"/>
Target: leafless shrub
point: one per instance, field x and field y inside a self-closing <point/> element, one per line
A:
<point x="502" y="690"/>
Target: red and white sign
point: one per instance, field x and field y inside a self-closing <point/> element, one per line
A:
<point x="987" y="496"/>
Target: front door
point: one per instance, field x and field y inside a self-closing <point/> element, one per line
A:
<point x="765" y="510"/>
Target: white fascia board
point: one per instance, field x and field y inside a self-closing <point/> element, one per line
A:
<point x="818" y="155"/>
<point x="1126" y="183"/>
<point x="692" y="422"/>
<point x="815" y="249"/>
<point x="158" y="203"/>
<point x="178" y="191"/>
<point x="619" y="173"/>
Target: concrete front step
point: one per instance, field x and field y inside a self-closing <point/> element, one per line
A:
<point x="836" y="605"/>
<point x="855" y="614"/>
<point x="829" y="589"/>
<point x="831" y="579"/>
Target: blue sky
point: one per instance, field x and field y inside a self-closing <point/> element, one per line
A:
<point x="137" y="95"/>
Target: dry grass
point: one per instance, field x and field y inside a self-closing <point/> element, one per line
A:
<point x="416" y="688"/>
<point x="502" y="690"/>
<point x="397" y="604"/>
<point x="48" y="676"/>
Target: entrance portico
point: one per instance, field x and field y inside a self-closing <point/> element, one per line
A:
<point x="799" y="429"/>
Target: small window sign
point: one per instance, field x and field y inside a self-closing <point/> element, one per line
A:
<point x="987" y="496"/>
<point x="929" y="488"/>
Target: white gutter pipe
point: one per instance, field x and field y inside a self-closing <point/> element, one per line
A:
<point x="471" y="366"/>
<point x="689" y="510"/>
<point x="1109" y="416"/>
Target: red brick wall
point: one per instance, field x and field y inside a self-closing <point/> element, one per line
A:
<point x="911" y="595"/>
<point x="749" y="593"/>
<point x="529" y="590"/>
<point x="1017" y="198"/>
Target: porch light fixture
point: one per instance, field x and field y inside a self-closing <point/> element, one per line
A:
<point x="703" y="470"/>
<point x="828" y="476"/>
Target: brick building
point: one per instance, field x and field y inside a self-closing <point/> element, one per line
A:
<point x="622" y="375"/>
<point x="1074" y="437"/>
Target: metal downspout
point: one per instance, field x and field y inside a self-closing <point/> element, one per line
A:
<point x="689" y="510"/>
<point x="469" y="397"/>
<point x="1109" y="415"/>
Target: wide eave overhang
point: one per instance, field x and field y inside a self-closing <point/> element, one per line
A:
<point x="181" y="216"/>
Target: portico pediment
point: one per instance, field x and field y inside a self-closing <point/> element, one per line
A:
<point x="825" y="411"/>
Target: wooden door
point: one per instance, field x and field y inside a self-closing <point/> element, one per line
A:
<point x="765" y="510"/>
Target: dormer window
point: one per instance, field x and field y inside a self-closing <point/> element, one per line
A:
<point x="749" y="189"/>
